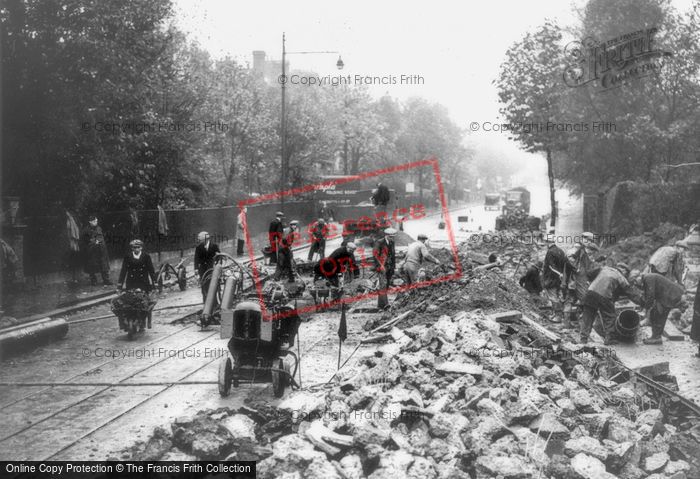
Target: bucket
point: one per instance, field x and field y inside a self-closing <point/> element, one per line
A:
<point x="626" y="324"/>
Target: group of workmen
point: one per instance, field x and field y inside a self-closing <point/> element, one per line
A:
<point x="342" y="260"/>
<point x="579" y="278"/>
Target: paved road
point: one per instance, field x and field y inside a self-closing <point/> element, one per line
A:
<point x="109" y="392"/>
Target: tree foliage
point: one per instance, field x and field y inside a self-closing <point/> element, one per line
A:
<point x="108" y="106"/>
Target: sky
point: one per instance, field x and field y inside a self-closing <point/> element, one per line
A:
<point x="456" y="47"/>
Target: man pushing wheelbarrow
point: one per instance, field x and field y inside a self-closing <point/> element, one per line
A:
<point x="137" y="278"/>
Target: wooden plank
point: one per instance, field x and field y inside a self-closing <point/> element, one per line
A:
<point x="391" y="322"/>
<point x="507" y="316"/>
<point x="460" y="368"/>
<point x="653" y="370"/>
<point x="541" y="329"/>
<point x="672" y="333"/>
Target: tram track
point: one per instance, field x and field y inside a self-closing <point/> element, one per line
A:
<point x="83" y="400"/>
<point x="82" y="373"/>
<point x="114" y="419"/>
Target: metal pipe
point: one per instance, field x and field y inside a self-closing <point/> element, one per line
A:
<point x="626" y="324"/>
<point x="227" y="297"/>
<point x="30" y="336"/>
<point x="211" y="292"/>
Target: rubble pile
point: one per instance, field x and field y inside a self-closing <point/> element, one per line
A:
<point x="490" y="290"/>
<point x="636" y="250"/>
<point x="517" y="220"/>
<point x="453" y="400"/>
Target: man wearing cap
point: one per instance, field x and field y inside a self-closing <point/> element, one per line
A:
<point x="660" y="296"/>
<point x="204" y="255"/>
<point x="415" y="255"/>
<point x="582" y="269"/>
<point x="318" y="239"/>
<point x="96" y="259"/>
<point x="588" y="242"/>
<point x="326" y="212"/>
<point x="381" y="197"/>
<point x="531" y="279"/>
<point x="668" y="261"/>
<point x="275" y="233"/>
<point x="332" y="267"/>
<point x="137" y="269"/>
<point x="384" y="253"/>
<point x="285" y="256"/>
<point x="241" y="231"/>
<point x="555" y="271"/>
<point x="601" y="295"/>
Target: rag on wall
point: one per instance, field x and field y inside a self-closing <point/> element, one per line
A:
<point x="134" y="225"/>
<point x="73" y="232"/>
<point x="162" y="222"/>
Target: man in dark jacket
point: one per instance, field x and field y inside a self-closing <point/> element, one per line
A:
<point x="531" y="279"/>
<point x="381" y="197"/>
<point x="332" y="267"/>
<point x="695" y="329"/>
<point x="96" y="258"/>
<point x="384" y="254"/>
<point x="582" y="270"/>
<point x="285" y="256"/>
<point x="554" y="274"/>
<point x="204" y="255"/>
<point x="606" y="288"/>
<point x="318" y="239"/>
<point x="660" y="296"/>
<point x="274" y="234"/>
<point x="137" y="269"/>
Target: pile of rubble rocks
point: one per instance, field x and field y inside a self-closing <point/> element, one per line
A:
<point x="491" y="289"/>
<point x="636" y="250"/>
<point x="458" y="399"/>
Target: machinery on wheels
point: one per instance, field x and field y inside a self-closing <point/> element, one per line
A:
<point x="133" y="308"/>
<point x="227" y="282"/>
<point x="167" y="273"/>
<point x="259" y="348"/>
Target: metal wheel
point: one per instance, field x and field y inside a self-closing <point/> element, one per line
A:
<point x="279" y="380"/>
<point x="133" y="327"/>
<point x="225" y="374"/>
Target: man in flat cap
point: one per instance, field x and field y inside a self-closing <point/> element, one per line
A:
<point x="318" y="239"/>
<point x="416" y="254"/>
<point x="340" y="260"/>
<point x="285" y="256"/>
<point x="275" y="233"/>
<point x="555" y="273"/>
<point x="668" y="261"/>
<point x="582" y="270"/>
<point x="661" y="295"/>
<point x="606" y="288"/>
<point x="384" y="253"/>
<point x="204" y="255"/>
<point x="96" y="260"/>
<point x="137" y="269"/>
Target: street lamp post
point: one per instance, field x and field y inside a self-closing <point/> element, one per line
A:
<point x="284" y="163"/>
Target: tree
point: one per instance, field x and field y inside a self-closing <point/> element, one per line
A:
<point x="656" y="115"/>
<point x="530" y="88"/>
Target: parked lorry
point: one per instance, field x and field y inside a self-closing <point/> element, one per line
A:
<point x="492" y="202"/>
<point x="517" y="199"/>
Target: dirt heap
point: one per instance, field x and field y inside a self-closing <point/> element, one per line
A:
<point x="636" y="250"/>
<point x="460" y="399"/>
<point x="490" y="290"/>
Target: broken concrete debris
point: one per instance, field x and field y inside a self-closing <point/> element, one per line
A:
<point x="443" y="404"/>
